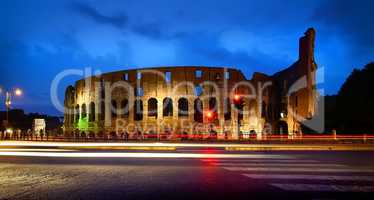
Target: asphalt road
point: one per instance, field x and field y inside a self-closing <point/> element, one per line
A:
<point x="241" y="175"/>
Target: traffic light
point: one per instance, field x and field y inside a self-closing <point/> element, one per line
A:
<point x="236" y="97"/>
<point x="238" y="100"/>
<point x="209" y="114"/>
<point x="239" y="105"/>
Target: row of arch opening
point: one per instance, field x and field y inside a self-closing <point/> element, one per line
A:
<point x="121" y="109"/>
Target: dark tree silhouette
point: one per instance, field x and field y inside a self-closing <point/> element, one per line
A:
<point x="355" y="102"/>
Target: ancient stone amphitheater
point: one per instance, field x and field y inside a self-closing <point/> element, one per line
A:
<point x="194" y="101"/>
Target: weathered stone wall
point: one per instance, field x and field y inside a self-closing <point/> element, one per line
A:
<point x="267" y="100"/>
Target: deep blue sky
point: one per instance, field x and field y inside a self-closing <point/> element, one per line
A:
<point x="38" y="39"/>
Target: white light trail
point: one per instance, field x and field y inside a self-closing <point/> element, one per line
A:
<point x="293" y="169"/>
<point x="323" y="188"/>
<point x="133" y="155"/>
<point x="143" y="144"/>
<point x="260" y="161"/>
<point x="310" y="177"/>
<point x="36" y="150"/>
<point x="277" y="165"/>
<point x="103" y="144"/>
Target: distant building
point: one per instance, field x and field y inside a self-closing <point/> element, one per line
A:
<point x="181" y="100"/>
<point x="19" y="120"/>
<point x="39" y="125"/>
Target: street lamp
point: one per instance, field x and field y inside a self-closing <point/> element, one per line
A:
<point x="18" y="92"/>
<point x="8" y="99"/>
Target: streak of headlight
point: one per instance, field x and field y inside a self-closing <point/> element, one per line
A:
<point x="38" y="150"/>
<point x="96" y="144"/>
<point x="134" y="155"/>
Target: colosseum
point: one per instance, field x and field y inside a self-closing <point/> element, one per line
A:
<point x="195" y="101"/>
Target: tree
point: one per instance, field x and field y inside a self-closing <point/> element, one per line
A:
<point x="355" y="102"/>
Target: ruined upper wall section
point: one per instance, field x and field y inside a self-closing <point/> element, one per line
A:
<point x="179" y="73"/>
<point x="306" y="47"/>
<point x="305" y="63"/>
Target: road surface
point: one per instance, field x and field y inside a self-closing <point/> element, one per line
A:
<point x="35" y="173"/>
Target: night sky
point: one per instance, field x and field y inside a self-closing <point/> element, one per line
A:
<point x="39" y="39"/>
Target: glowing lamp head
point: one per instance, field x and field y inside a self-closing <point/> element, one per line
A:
<point x="18" y="92"/>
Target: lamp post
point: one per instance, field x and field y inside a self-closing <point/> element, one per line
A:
<point x="8" y="100"/>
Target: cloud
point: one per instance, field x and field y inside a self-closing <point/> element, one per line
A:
<point x="207" y="49"/>
<point x="42" y="38"/>
<point x="122" y="22"/>
<point x="350" y="19"/>
<point x="344" y="38"/>
<point x="118" y="20"/>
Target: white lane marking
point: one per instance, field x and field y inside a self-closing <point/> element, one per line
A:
<point x="134" y="155"/>
<point x="278" y="165"/>
<point x="323" y="188"/>
<point x="293" y="169"/>
<point x="310" y="177"/>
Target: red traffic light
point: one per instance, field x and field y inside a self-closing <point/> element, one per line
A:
<point x="209" y="114"/>
<point x="236" y="97"/>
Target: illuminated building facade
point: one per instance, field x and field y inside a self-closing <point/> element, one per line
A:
<point x="194" y="100"/>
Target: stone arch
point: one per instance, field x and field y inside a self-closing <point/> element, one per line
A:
<point x="69" y="105"/>
<point x="92" y="112"/>
<point x="198" y="90"/>
<point x="114" y="108"/>
<point x="125" y="108"/>
<point x="198" y="110"/>
<point x="213" y="107"/>
<point x="138" y="111"/>
<point x="70" y="114"/>
<point x="102" y="110"/>
<point x="282" y="127"/>
<point x="270" y="111"/>
<point x="84" y="111"/>
<point x="213" y="104"/>
<point x="168" y="107"/>
<point x="239" y="106"/>
<point x="183" y="107"/>
<point x="77" y="113"/>
<point x="227" y="108"/>
<point x="263" y="110"/>
<point x="152" y="107"/>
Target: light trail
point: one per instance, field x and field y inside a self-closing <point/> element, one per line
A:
<point x="310" y="177"/>
<point x="156" y="144"/>
<point x="301" y="169"/>
<point x="37" y="150"/>
<point x="134" y="155"/>
<point x="278" y="165"/>
<point x="103" y="144"/>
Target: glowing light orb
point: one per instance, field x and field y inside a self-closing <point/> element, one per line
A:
<point x="18" y="92"/>
<point x="236" y="97"/>
<point x="209" y="114"/>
